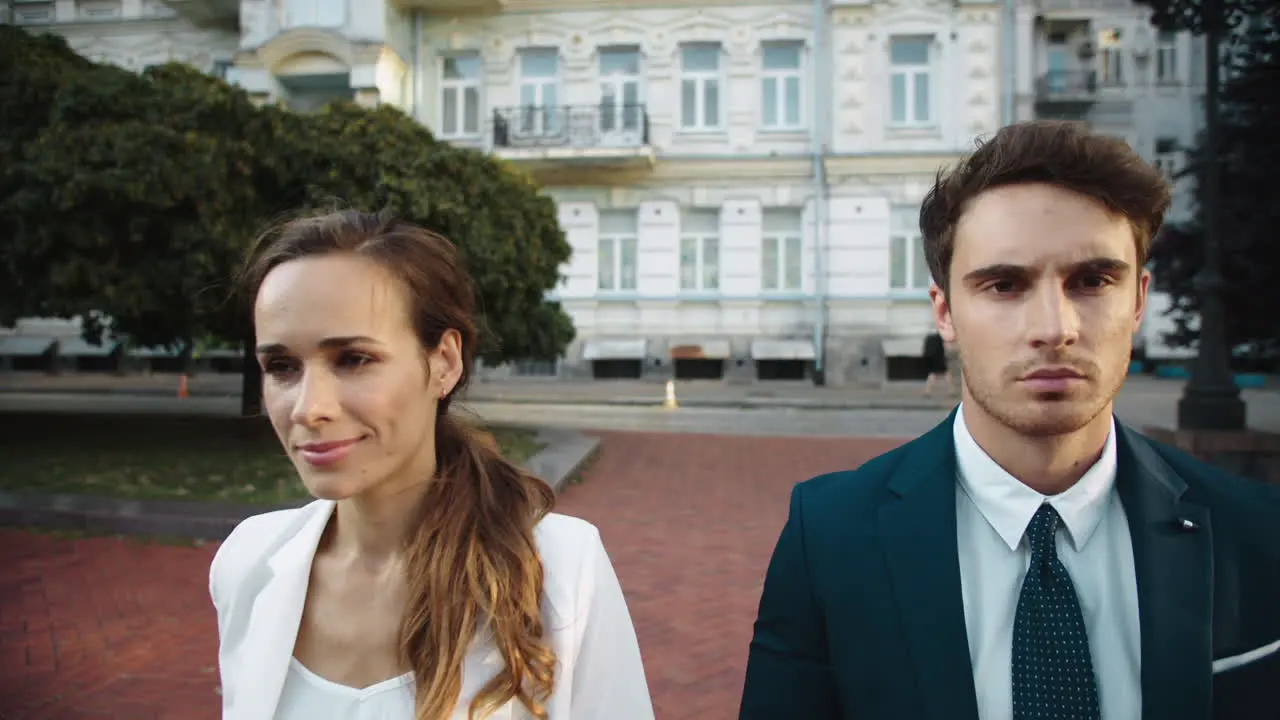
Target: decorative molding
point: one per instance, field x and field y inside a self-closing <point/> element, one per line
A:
<point x="305" y="40"/>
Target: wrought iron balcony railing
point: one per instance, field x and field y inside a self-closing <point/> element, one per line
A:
<point x="1056" y="84"/>
<point x="571" y="126"/>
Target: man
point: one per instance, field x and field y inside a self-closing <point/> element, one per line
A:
<point x="1030" y="557"/>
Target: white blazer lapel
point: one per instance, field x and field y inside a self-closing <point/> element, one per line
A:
<point x="274" y="620"/>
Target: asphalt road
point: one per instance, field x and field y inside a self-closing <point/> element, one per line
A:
<point x="1138" y="409"/>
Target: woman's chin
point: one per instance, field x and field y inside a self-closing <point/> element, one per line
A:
<point x="330" y="487"/>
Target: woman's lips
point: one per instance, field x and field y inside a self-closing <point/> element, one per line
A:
<point x="327" y="453"/>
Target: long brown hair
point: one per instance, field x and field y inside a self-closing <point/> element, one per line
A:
<point x="473" y="566"/>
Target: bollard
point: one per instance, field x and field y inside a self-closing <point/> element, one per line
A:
<point x="669" y="402"/>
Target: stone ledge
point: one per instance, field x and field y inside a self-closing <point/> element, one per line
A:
<point x="563" y="455"/>
<point x="1252" y="453"/>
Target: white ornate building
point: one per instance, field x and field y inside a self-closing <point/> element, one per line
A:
<point x="740" y="181"/>
<point x="1101" y="61"/>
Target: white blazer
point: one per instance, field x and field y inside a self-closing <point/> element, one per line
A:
<point x="258" y="582"/>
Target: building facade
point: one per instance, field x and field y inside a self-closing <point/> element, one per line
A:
<point x="1101" y="62"/>
<point x="740" y="181"/>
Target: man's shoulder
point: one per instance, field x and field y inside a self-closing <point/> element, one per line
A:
<point x="1238" y="506"/>
<point x="865" y="484"/>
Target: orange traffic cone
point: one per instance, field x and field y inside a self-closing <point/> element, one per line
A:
<point x="182" y="386"/>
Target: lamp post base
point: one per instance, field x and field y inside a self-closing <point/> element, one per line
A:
<point x="1211" y="409"/>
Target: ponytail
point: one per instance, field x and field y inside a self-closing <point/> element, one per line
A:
<point x="474" y="572"/>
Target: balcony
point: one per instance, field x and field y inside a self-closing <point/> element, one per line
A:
<point x="1067" y="90"/>
<point x="450" y="7"/>
<point x="603" y="136"/>
<point x="223" y="14"/>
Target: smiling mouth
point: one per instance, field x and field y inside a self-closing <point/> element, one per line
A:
<point x="327" y="446"/>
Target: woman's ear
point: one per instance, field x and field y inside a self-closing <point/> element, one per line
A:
<point x="445" y="364"/>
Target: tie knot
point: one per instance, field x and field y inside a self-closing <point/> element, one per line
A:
<point x="1041" y="530"/>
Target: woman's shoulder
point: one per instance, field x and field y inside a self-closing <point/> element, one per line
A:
<point x="256" y="538"/>
<point x="572" y="555"/>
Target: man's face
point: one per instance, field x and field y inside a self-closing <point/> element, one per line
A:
<point x="1046" y="295"/>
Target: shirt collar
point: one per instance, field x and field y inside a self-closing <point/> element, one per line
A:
<point x="1008" y="505"/>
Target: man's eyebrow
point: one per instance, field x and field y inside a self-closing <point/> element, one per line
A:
<point x="330" y="343"/>
<point x="1010" y="270"/>
<point x="996" y="270"/>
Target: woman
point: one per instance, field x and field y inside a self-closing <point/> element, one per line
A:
<point x="429" y="579"/>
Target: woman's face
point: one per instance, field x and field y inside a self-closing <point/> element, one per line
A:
<point x="349" y="389"/>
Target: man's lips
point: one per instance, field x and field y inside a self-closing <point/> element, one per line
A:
<point x="1054" y="373"/>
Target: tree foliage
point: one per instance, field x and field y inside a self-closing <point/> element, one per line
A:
<point x="136" y="195"/>
<point x="1197" y="15"/>
<point x="1249" y="153"/>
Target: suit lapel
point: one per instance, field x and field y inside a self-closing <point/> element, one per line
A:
<point x="918" y="527"/>
<point x="1173" y="557"/>
<point x="275" y="618"/>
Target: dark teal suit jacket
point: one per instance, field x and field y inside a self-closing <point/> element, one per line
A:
<point x="861" y="616"/>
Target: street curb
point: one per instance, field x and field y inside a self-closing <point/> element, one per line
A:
<point x="616" y="401"/>
<point x="564" y="454"/>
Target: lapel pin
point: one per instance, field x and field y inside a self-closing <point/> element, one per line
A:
<point x="1186" y="525"/>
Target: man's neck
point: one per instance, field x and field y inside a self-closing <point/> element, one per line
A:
<point x="1050" y="464"/>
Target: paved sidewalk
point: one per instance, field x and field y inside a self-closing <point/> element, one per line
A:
<point x="892" y="396"/>
<point x="107" y="629"/>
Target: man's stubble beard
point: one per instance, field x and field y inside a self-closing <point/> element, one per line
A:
<point x="1053" y="414"/>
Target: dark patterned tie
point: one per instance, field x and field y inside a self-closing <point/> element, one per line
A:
<point x="1052" y="672"/>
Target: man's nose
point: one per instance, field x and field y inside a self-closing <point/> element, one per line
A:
<point x="1053" y="319"/>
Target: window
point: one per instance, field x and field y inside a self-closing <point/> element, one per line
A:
<point x="780" y="85"/>
<point x="539" y="91"/>
<point x="617" y="251"/>
<point x="620" y="111"/>
<point x="1111" y="57"/>
<point x="700" y="86"/>
<point x="909" y="81"/>
<point x="1166" y="157"/>
<point x="222" y="69"/>
<point x="33" y="13"/>
<point x="700" y="250"/>
<point x="781" y="250"/>
<point x="1167" y="58"/>
<point x="460" y="96"/>
<point x="315" y="13"/>
<point x="99" y="9"/>
<point x="907" y="267"/>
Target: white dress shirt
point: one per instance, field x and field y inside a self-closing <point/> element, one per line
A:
<point x="258" y="581"/>
<point x="992" y="512"/>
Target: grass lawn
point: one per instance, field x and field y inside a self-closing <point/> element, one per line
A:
<point x="149" y="456"/>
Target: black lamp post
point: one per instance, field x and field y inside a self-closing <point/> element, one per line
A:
<point x="1211" y="400"/>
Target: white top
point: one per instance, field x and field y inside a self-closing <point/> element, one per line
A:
<point x="307" y="696"/>
<point x="992" y="512"/>
<point x="258" y="583"/>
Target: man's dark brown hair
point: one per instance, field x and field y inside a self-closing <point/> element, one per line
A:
<point x="1060" y="153"/>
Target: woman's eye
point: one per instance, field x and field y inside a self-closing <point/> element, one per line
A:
<point x="278" y="367"/>
<point x="354" y="360"/>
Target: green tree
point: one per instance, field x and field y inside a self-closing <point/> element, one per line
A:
<point x="135" y="196"/>
<point x="504" y="227"/>
<point x="1249" y="152"/>
<point x="32" y="69"/>
<point x="131" y="201"/>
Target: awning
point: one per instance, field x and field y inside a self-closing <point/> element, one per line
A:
<point x="782" y="350"/>
<point x="152" y="353"/>
<point x="25" y="345"/>
<point x="633" y="349"/>
<point x="77" y="347"/>
<point x="903" y="346"/>
<point x="700" y="350"/>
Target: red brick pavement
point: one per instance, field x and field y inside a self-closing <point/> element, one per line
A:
<point x="115" y="629"/>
